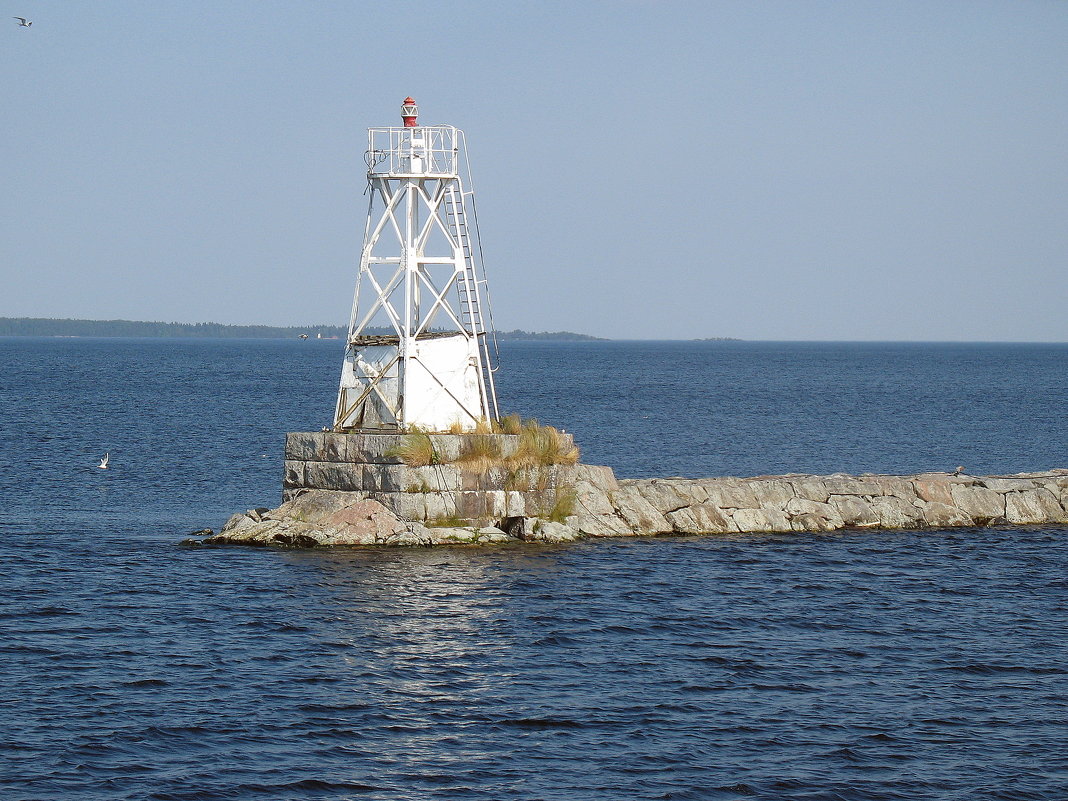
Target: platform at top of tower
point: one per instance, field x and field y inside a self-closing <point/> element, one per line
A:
<point x="430" y="151"/>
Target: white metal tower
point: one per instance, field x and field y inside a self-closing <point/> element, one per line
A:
<point x="421" y="349"/>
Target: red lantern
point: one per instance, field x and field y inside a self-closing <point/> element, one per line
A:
<point x="409" y="111"/>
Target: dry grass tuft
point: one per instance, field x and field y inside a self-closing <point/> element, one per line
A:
<point x="511" y="424"/>
<point x="480" y="452"/>
<point x="539" y="446"/>
<point x="544" y="445"/>
<point x="415" y="450"/>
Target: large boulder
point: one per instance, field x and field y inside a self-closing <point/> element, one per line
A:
<point x="701" y="518"/>
<point x="983" y="505"/>
<point x="323" y="517"/>
<point x="1034" y="506"/>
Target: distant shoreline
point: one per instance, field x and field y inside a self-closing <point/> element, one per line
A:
<point x="69" y="328"/>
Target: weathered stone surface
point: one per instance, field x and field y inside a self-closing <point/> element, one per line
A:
<point x="759" y="520"/>
<point x="548" y="531"/>
<point x="941" y="515"/>
<point x="413" y="536"/>
<point x="468" y="535"/>
<point x="441" y="505"/>
<point x="896" y="486"/>
<point x="313" y="506"/>
<point x="896" y="512"/>
<point x="689" y="490"/>
<point x="730" y="493"/>
<point x="661" y="495"/>
<point x="493" y="534"/>
<point x="701" y="518"/>
<point x="855" y="511"/>
<point x="402" y="478"/>
<point x="257" y="513"/>
<point x="496" y="478"/>
<point x="337" y="509"/>
<point x="497" y="504"/>
<point x="482" y="506"/>
<point x="322" y="518"/>
<point x="303" y="446"/>
<point x="239" y="520"/>
<point x="453" y="535"/>
<point x="405" y="505"/>
<point x="802" y="507"/>
<point x="515" y="504"/>
<point x="981" y="504"/>
<point x="600" y="525"/>
<point x="473" y="506"/>
<point x="334" y="476"/>
<point x="591" y="500"/>
<point x="851" y="485"/>
<point x="773" y="492"/>
<point x="1034" y="506"/>
<point x="293" y="473"/>
<point x="811" y="488"/>
<point x="809" y="521"/>
<point x="334" y="447"/>
<point x="603" y="478"/>
<point x="932" y="489"/>
<point x="1006" y="484"/>
<point x="637" y="512"/>
<point x="447" y="446"/>
<point x="363" y="520"/>
<point x="373" y="448"/>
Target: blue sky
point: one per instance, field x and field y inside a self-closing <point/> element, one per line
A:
<point x="764" y="170"/>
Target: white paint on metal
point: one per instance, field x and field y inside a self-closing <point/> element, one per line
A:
<point x="421" y="349"/>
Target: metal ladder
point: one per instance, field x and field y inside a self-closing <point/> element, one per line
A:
<point x="471" y="288"/>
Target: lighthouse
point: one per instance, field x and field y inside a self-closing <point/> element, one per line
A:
<point x="421" y="350"/>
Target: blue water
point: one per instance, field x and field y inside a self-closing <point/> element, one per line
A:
<point x="860" y="665"/>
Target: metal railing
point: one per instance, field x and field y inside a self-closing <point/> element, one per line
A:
<point x="423" y="150"/>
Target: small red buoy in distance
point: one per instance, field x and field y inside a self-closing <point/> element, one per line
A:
<point x="409" y="111"/>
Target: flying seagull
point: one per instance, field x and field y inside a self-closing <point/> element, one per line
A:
<point x="104" y="462"/>
<point x="22" y="22"/>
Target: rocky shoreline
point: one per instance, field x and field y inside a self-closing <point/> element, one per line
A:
<point x="452" y="505"/>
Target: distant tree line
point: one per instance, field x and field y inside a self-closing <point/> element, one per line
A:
<point x="561" y="336"/>
<point x="49" y="327"/>
<point x="46" y="327"/>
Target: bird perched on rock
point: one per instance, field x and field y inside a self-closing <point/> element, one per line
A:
<point x="22" y="22"/>
<point x="959" y="470"/>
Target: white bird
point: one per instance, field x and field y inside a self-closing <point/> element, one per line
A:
<point x="22" y="22"/>
<point x="959" y="470"/>
<point x="104" y="462"/>
<point x="303" y="336"/>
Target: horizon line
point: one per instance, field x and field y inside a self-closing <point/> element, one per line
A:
<point x="597" y="337"/>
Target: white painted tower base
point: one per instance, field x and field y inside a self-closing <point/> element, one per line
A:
<point x="442" y="384"/>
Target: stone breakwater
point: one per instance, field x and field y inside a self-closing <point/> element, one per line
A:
<point x="348" y="490"/>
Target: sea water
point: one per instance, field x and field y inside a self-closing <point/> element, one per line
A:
<point x="855" y="665"/>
